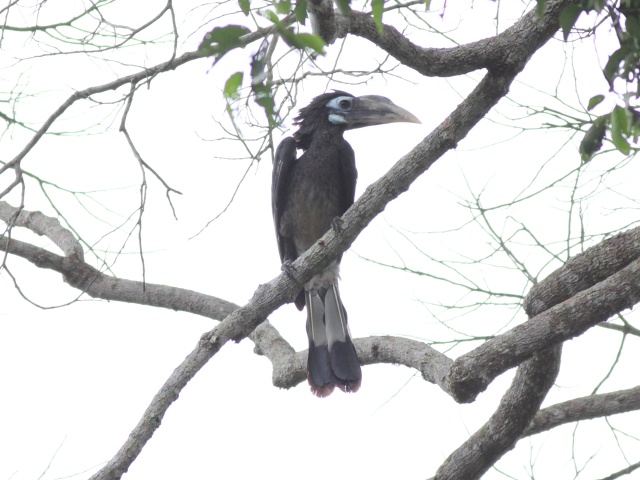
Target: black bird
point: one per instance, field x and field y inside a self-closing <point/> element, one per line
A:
<point x="308" y="194"/>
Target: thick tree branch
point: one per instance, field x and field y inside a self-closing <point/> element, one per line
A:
<point x="584" y="408"/>
<point x="616" y="291"/>
<point x="42" y="225"/>
<point x="519" y="404"/>
<point x="513" y="46"/>
<point x="290" y="370"/>
<point x="323" y="19"/>
<point x="584" y="271"/>
<point x="535" y="376"/>
<point x="533" y="380"/>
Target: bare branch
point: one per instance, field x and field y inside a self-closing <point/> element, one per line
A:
<point x="624" y="471"/>
<point x="585" y="408"/>
<point x="132" y="79"/>
<point x="42" y="225"/>
<point x="626" y="329"/>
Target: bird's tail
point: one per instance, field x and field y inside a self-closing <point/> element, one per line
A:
<point x="333" y="360"/>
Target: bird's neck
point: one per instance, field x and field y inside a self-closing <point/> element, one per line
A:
<point x="318" y="130"/>
<point x="326" y="139"/>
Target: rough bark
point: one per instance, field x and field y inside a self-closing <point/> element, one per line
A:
<point x="585" y="408"/>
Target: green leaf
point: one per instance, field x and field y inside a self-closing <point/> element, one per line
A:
<point x="592" y="141"/>
<point x="300" y="11"/>
<point x="268" y="14"/>
<point x="619" y="120"/>
<point x="540" y="8"/>
<point x="620" y="129"/>
<point x="377" y="7"/>
<point x="301" y="41"/>
<point x="259" y="62"/>
<point x="344" y="6"/>
<point x="308" y="40"/>
<point x="220" y="40"/>
<point x="245" y="6"/>
<point x="621" y="144"/>
<point x="427" y="5"/>
<point x="283" y="7"/>
<point x="262" y="96"/>
<point x="634" y="128"/>
<point x="568" y="17"/>
<point x="612" y="67"/>
<point x="232" y="85"/>
<point x="632" y="26"/>
<point x="261" y="92"/>
<point x="597" y="5"/>
<point x="595" y="101"/>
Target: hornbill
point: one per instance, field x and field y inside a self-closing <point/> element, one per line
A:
<point x="308" y="195"/>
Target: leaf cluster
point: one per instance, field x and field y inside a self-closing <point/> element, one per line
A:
<point x="622" y="123"/>
<point x="621" y="71"/>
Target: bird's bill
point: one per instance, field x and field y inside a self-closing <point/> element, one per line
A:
<point x="375" y="110"/>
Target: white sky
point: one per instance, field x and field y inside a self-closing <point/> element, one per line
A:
<point x="79" y="377"/>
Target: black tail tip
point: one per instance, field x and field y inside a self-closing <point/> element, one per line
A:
<point x="350" y="387"/>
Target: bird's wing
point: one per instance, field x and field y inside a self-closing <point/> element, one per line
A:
<point x="349" y="176"/>
<point x="284" y="160"/>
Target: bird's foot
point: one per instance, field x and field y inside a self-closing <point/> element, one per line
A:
<point x="336" y="224"/>
<point x="288" y="268"/>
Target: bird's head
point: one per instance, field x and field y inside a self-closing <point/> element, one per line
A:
<point x="343" y="111"/>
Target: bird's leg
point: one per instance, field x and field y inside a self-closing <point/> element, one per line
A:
<point x="288" y="268"/>
<point x="336" y="224"/>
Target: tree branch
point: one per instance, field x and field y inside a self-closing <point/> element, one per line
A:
<point x="584" y="408"/>
<point x="611" y="292"/>
<point x="132" y="79"/>
<point x="585" y="270"/>
<point x="323" y="19"/>
<point x="513" y="46"/>
<point x="534" y="378"/>
<point x="624" y="471"/>
<point x="289" y="367"/>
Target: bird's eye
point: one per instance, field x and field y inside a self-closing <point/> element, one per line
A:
<point x="345" y="104"/>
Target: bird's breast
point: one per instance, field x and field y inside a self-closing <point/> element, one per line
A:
<point x="316" y="197"/>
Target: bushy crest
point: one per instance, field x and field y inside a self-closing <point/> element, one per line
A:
<point x="312" y="116"/>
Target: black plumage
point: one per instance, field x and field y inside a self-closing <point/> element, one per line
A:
<point x="307" y="194"/>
